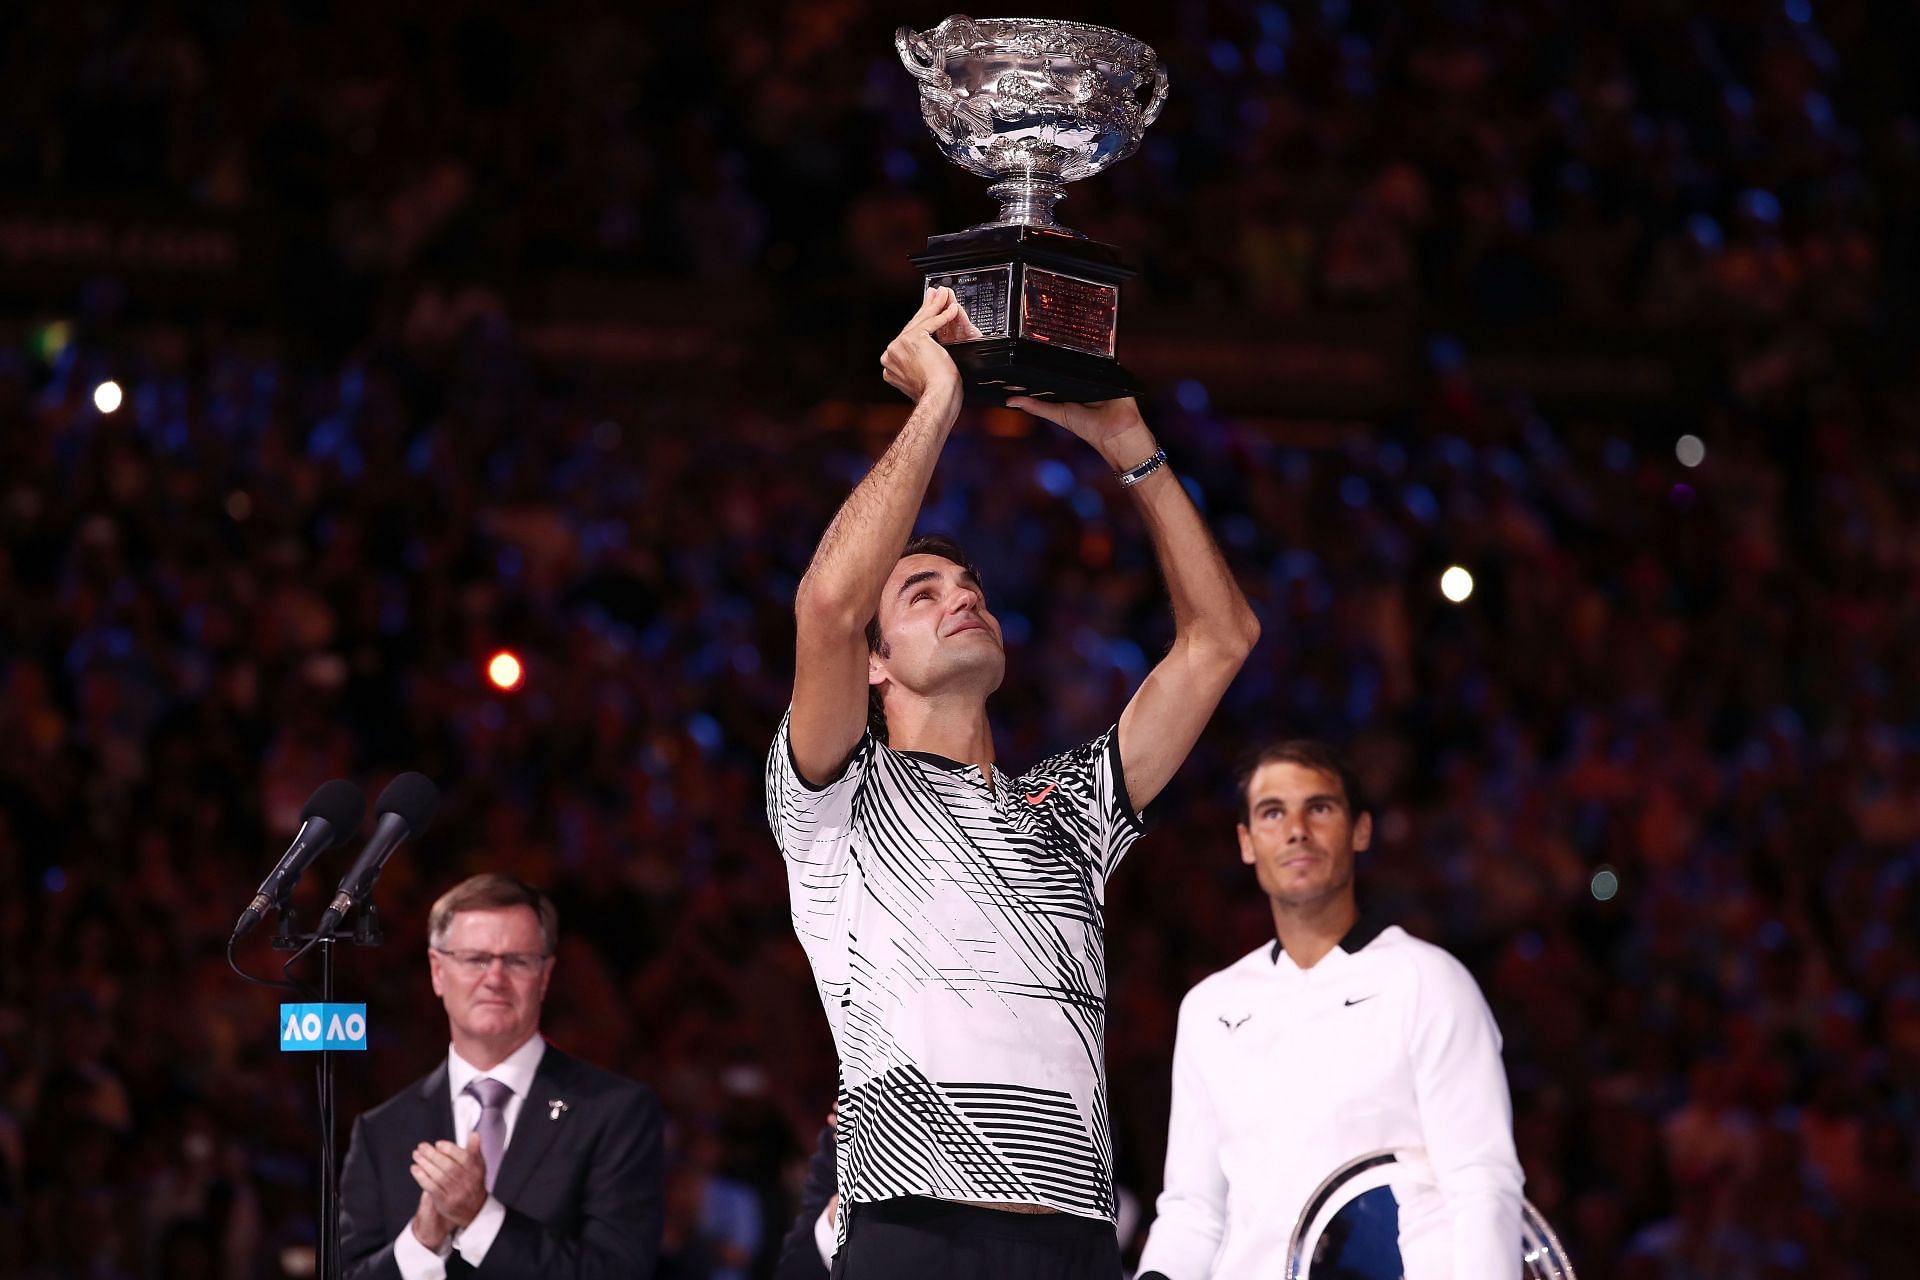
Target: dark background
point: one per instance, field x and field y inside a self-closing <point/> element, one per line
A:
<point x="444" y="328"/>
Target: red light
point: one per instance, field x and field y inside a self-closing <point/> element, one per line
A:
<point x="504" y="671"/>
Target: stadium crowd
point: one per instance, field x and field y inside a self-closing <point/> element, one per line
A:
<point x="1657" y="780"/>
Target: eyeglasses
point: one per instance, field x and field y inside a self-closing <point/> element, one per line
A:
<point x="518" y="964"/>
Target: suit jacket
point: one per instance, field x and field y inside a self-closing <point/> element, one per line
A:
<point x="799" y="1254"/>
<point x="585" y="1191"/>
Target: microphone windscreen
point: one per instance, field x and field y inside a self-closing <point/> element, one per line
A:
<point x="413" y="797"/>
<point x="340" y="804"/>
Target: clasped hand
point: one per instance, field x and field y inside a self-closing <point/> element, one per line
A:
<point x="453" y="1188"/>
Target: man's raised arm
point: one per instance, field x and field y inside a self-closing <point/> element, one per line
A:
<point x="860" y="547"/>
<point x="1214" y="628"/>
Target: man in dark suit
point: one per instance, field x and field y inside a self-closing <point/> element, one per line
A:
<point x="510" y="1158"/>
<point x="807" y="1252"/>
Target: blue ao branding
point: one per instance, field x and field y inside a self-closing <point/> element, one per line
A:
<point x="308" y="1028"/>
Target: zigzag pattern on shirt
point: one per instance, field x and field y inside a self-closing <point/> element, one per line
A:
<point x="1040" y="1130"/>
<point x="905" y="1137"/>
<point x="934" y="909"/>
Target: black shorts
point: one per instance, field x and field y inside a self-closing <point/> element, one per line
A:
<point x="914" y="1238"/>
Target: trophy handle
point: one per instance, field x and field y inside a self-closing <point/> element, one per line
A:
<point x="917" y="55"/>
<point x="1159" y="98"/>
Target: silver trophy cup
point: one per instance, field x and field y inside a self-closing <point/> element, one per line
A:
<point x="1033" y="104"/>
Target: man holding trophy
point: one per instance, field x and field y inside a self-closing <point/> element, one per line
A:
<point x="951" y="913"/>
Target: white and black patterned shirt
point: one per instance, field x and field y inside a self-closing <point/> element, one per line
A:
<point x="955" y="933"/>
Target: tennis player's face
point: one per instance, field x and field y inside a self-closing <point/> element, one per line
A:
<point x="936" y="630"/>
<point x="1300" y="837"/>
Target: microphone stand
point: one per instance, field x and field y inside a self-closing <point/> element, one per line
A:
<point x="366" y="932"/>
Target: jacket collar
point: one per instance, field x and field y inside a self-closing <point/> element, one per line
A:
<point x="1368" y="927"/>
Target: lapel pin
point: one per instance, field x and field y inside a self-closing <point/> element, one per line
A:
<point x="555" y="1108"/>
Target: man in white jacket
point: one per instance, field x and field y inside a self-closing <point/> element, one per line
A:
<point x="1343" y="1036"/>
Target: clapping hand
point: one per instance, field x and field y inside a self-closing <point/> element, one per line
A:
<point x="453" y="1178"/>
<point x="430" y="1226"/>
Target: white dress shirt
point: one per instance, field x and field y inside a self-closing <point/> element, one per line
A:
<point x="826" y="1238"/>
<point x="416" y="1261"/>
<point x="1281" y="1074"/>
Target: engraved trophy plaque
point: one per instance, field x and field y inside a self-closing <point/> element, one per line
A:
<point x="1033" y="104"/>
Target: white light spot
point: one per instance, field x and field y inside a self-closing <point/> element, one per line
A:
<point x="505" y="671"/>
<point x="1456" y="584"/>
<point x="1691" y="450"/>
<point x="107" y="396"/>
<point x="1605" y="884"/>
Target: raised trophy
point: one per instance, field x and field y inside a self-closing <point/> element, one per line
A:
<point x="1033" y="104"/>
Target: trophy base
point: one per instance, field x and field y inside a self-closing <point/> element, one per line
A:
<point x="996" y="368"/>
<point x="1047" y="302"/>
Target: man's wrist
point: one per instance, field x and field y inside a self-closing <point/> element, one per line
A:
<point x="460" y="1225"/>
<point x="440" y="1246"/>
<point x="1129" y="448"/>
<point x="943" y="399"/>
<point x="476" y="1238"/>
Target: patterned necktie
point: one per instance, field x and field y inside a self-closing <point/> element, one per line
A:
<point x="492" y="1095"/>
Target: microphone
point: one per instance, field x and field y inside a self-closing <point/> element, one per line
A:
<point x="332" y="814"/>
<point x="405" y="809"/>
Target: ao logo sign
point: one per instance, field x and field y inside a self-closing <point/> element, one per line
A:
<point x="305" y="1028"/>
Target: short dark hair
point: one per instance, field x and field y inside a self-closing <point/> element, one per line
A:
<point x="925" y="544"/>
<point x="490" y="891"/>
<point x="1308" y="753"/>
